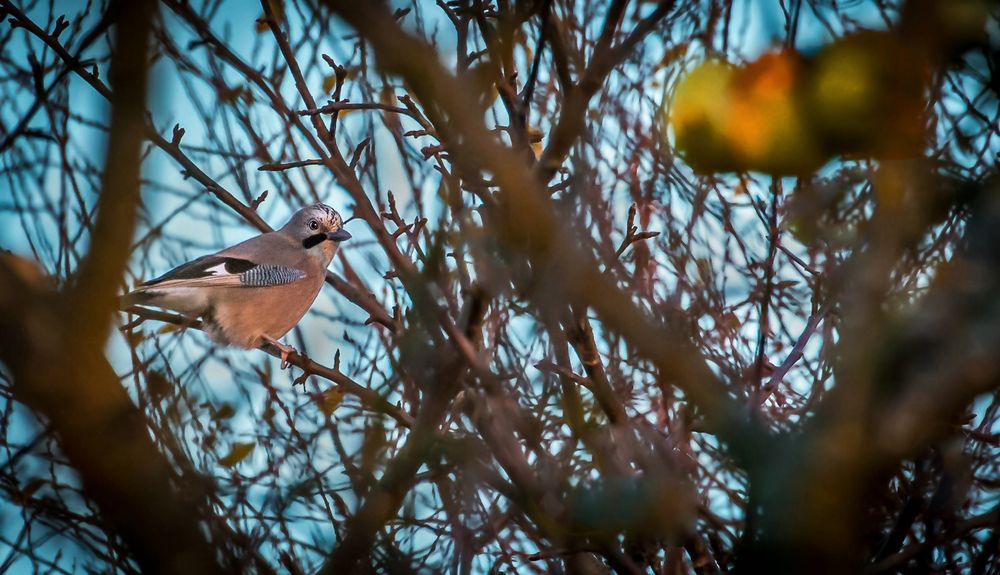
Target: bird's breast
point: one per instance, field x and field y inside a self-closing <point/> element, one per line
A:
<point x="243" y="314"/>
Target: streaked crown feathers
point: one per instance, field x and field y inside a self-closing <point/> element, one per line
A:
<point x="329" y="215"/>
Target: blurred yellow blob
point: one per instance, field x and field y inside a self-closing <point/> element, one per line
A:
<point x="766" y="124"/>
<point x="735" y="119"/>
<point x="699" y="116"/>
<point x="866" y="95"/>
<point x="786" y="114"/>
<point x="843" y="91"/>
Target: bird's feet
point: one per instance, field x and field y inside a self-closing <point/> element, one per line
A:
<point x="284" y="350"/>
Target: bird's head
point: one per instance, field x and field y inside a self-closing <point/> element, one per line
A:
<point x="318" y="227"/>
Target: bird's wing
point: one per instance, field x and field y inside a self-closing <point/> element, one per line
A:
<point x="226" y="271"/>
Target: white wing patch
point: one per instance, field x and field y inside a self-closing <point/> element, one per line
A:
<point x="218" y="270"/>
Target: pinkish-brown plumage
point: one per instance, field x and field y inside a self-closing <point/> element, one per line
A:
<point x="255" y="291"/>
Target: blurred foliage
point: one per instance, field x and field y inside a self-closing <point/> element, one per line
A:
<point x="862" y="95"/>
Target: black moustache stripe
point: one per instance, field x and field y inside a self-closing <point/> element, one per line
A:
<point x="313" y="240"/>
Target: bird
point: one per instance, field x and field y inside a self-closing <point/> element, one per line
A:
<point x="254" y="292"/>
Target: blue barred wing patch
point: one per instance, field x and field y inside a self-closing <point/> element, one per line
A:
<point x="268" y="276"/>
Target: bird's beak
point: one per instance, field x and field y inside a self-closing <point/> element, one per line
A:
<point x="338" y="236"/>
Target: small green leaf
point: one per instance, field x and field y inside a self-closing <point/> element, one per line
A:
<point x="238" y="453"/>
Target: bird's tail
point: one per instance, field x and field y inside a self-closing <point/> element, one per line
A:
<point x="138" y="296"/>
<point x="185" y="300"/>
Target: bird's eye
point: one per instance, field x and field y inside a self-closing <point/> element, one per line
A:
<point x="313" y="225"/>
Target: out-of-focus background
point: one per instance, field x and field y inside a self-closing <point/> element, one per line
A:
<point x="633" y="287"/>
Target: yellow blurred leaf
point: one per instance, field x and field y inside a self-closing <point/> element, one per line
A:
<point x="168" y="328"/>
<point x="672" y="55"/>
<point x="535" y="137"/>
<point x="766" y="124"/>
<point x="699" y="113"/>
<point x="331" y="399"/>
<point x="134" y="337"/>
<point x="388" y="96"/>
<point x="865" y="96"/>
<point x="329" y="82"/>
<point x="537" y="148"/>
<point x="278" y="9"/>
<point x="238" y="453"/>
<point x="728" y="118"/>
<point x="730" y="322"/>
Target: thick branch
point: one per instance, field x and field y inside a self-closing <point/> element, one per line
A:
<point x="53" y="345"/>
